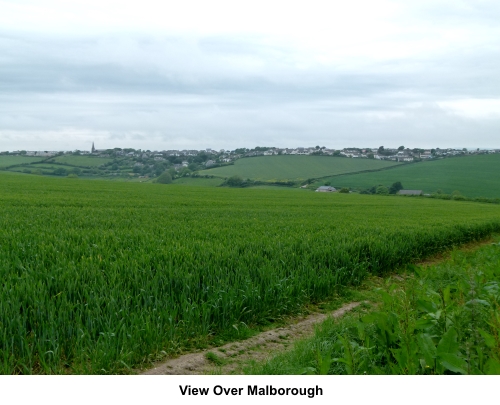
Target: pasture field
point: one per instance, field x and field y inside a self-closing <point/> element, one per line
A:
<point x="82" y="161"/>
<point x="104" y="277"/>
<point x="45" y="165"/>
<point x="6" y="161"/>
<point x="45" y="168"/>
<point x="473" y="176"/>
<point x="275" y="168"/>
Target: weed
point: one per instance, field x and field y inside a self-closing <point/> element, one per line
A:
<point x="213" y="358"/>
<point x="445" y="319"/>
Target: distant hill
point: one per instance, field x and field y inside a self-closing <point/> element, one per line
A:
<point x="473" y="176"/>
<point x="62" y="165"/>
<point x="266" y="168"/>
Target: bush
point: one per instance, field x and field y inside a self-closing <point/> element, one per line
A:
<point x="60" y="171"/>
<point x="395" y="187"/>
<point x="235" y="181"/>
<point x="164" y="178"/>
<point x="344" y="190"/>
<point x="382" y="190"/>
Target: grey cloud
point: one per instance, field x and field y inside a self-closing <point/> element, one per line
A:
<point x="165" y="124"/>
<point x="228" y="92"/>
<point x="209" y="66"/>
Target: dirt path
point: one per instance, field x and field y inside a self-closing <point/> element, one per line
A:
<point x="232" y="355"/>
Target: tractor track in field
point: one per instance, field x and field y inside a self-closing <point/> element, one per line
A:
<point x="233" y="356"/>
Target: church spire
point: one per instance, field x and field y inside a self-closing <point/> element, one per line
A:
<point x="93" y="149"/>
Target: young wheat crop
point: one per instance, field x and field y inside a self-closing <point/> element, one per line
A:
<point x="102" y="277"/>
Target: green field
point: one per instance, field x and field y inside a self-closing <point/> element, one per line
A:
<point x="6" y="160"/>
<point x="473" y="176"/>
<point x="47" y="166"/>
<point x="295" y="167"/>
<point x="103" y="277"/>
<point x="82" y="161"/>
<point x="198" y="181"/>
<point x="433" y="320"/>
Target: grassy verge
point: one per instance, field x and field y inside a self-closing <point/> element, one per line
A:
<point x="442" y="318"/>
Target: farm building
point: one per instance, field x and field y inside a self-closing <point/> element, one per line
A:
<point x="326" y="189"/>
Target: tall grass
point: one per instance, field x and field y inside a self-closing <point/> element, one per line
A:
<point x="102" y="278"/>
<point x="443" y="319"/>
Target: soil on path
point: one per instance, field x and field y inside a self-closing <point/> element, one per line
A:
<point x="233" y="356"/>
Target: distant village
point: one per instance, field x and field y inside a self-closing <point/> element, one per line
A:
<point x="213" y="157"/>
<point x="145" y="165"/>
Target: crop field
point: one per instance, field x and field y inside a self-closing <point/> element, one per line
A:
<point x="6" y="161"/>
<point x="104" y="277"/>
<point x="295" y="167"/>
<point x="197" y="181"/>
<point x="473" y="176"/>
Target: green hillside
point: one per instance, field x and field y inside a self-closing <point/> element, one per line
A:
<point x="473" y="176"/>
<point x="295" y="167"/>
<point x="85" y="166"/>
<point x="6" y="160"/>
<point x="84" y="161"/>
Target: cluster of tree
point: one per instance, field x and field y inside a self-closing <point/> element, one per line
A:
<point x="319" y="150"/>
<point x="167" y="176"/>
<point x="383" y="152"/>
<point x="164" y="178"/>
<point x="238" y="181"/>
<point x="61" y="171"/>
<point x="149" y="169"/>
<point x="384" y="190"/>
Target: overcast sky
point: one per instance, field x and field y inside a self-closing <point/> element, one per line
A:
<point x="226" y="74"/>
